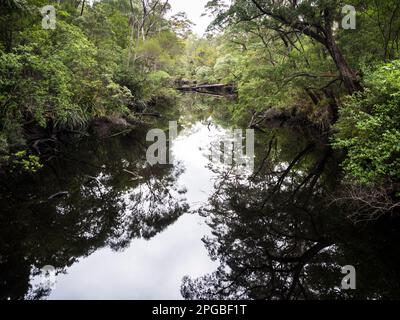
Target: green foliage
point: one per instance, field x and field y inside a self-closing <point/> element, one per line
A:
<point x="296" y="55"/>
<point x="36" y="88"/>
<point x="376" y="37"/>
<point x="225" y="68"/>
<point x="200" y="53"/>
<point x="369" y="128"/>
<point x="159" y="87"/>
<point x="160" y="52"/>
<point x="27" y="162"/>
<point x="99" y="61"/>
<point x="205" y="74"/>
<point x="181" y="25"/>
<point x="116" y="99"/>
<point x="4" y="150"/>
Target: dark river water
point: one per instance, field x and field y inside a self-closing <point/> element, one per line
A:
<point x="122" y="229"/>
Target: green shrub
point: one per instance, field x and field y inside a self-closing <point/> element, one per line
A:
<point x="27" y="162"/>
<point x="3" y="150"/>
<point x="369" y="128"/>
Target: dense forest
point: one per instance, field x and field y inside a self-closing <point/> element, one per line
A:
<point x="317" y="80"/>
<point x="111" y="61"/>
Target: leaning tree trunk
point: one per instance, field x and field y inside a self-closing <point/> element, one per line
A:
<point x="349" y="77"/>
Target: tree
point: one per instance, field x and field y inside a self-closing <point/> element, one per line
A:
<point x="278" y="236"/>
<point x="314" y="19"/>
<point x="181" y="25"/>
<point x="106" y="207"/>
<point x="369" y="131"/>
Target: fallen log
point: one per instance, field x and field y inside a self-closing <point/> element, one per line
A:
<point x="210" y="88"/>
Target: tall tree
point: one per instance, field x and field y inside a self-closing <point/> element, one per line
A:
<point x="315" y="19"/>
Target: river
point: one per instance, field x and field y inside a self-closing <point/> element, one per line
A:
<point x="193" y="229"/>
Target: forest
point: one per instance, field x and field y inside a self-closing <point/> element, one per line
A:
<point x="108" y="68"/>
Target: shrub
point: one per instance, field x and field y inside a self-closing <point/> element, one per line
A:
<point x="369" y="128"/>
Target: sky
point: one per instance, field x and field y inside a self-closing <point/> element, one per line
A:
<point x="153" y="269"/>
<point x="194" y="9"/>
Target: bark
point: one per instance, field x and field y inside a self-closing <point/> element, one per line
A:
<point x="349" y="77"/>
<point x="313" y="96"/>
<point x="83" y="7"/>
<point x="323" y="34"/>
<point x="333" y="105"/>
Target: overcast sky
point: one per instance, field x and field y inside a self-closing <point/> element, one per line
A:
<point x="194" y="9"/>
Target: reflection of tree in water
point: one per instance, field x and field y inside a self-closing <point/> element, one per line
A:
<point x="195" y="107"/>
<point x="278" y="236"/>
<point x="113" y="197"/>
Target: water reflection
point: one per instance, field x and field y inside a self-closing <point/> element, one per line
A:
<point x="280" y="236"/>
<point x="109" y="195"/>
<point x="116" y="228"/>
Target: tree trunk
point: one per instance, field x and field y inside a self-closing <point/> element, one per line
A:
<point x="313" y="96"/>
<point x="349" y="77"/>
<point x="83" y="7"/>
<point x="333" y="105"/>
